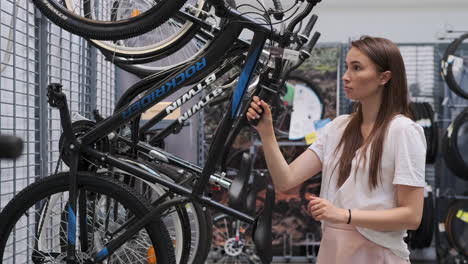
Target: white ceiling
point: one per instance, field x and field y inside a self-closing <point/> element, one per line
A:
<point x="399" y="20"/>
<point x="391" y="3"/>
<point x="373" y="3"/>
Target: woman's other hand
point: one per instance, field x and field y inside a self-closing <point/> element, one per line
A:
<point x="324" y="210"/>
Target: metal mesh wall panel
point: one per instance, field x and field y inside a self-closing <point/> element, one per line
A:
<point x="34" y="53"/>
<point x="105" y="96"/>
<point x="66" y="64"/>
<point x="18" y="93"/>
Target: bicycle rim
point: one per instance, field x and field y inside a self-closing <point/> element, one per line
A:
<point x="108" y="11"/>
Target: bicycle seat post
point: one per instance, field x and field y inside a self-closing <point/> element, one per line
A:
<point x="58" y="99"/>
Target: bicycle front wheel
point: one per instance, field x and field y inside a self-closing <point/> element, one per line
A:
<point x="131" y="20"/>
<point x="33" y="224"/>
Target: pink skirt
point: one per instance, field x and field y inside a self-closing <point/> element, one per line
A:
<point x="342" y="243"/>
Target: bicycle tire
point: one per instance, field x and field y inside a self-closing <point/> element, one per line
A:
<point x="201" y="218"/>
<point x="161" y="39"/>
<point x="447" y="66"/>
<point x="455" y="224"/>
<point x="454" y="160"/>
<point x="422" y="237"/>
<point x="196" y="219"/>
<point x="108" y="30"/>
<point x="177" y="222"/>
<point x="167" y="46"/>
<point x="424" y="116"/>
<point x="30" y="197"/>
<point x="433" y="135"/>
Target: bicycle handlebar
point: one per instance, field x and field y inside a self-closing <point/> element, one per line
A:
<point x="11" y="147"/>
<point x="310" y="5"/>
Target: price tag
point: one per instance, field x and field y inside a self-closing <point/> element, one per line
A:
<point x="154" y="110"/>
<point x="441" y="227"/>
<point x="291" y="55"/>
<point x="462" y="215"/>
<point x="285" y="54"/>
<point x="311" y="138"/>
<point x="450" y="130"/>
<point x="457" y="67"/>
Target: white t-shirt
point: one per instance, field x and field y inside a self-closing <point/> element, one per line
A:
<point x="403" y="162"/>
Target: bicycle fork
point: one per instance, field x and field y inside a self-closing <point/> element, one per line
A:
<point x="58" y="100"/>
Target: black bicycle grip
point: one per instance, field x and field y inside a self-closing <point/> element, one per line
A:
<point x="254" y="122"/>
<point x="11" y="147"/>
<point x="278" y="14"/>
<point x="266" y="96"/>
<point x="309" y="46"/>
<point x="310" y="25"/>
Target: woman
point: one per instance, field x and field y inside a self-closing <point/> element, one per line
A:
<point x="372" y="162"/>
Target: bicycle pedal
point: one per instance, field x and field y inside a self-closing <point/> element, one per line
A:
<point x="261" y="232"/>
<point x="239" y="186"/>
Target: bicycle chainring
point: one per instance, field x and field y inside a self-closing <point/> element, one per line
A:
<point x="80" y="128"/>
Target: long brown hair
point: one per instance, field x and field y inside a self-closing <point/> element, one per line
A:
<point x="386" y="57"/>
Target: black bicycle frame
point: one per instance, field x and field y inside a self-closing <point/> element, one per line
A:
<point x="177" y="124"/>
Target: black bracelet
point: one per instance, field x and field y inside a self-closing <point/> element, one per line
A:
<point x="349" y="217"/>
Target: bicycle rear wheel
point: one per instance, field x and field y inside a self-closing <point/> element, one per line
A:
<point x="298" y="89"/>
<point x="32" y="228"/>
<point x="130" y="22"/>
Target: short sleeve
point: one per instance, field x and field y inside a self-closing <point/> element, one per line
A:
<point x="319" y="145"/>
<point x="410" y="156"/>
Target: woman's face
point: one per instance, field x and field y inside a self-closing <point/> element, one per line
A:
<point x="361" y="79"/>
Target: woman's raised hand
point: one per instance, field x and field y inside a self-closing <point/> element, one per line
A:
<point x="260" y="110"/>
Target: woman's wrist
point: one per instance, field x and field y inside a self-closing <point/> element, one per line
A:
<point x="344" y="218"/>
<point x="267" y="135"/>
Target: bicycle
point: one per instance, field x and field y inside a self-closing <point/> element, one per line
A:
<point x="90" y="185"/>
